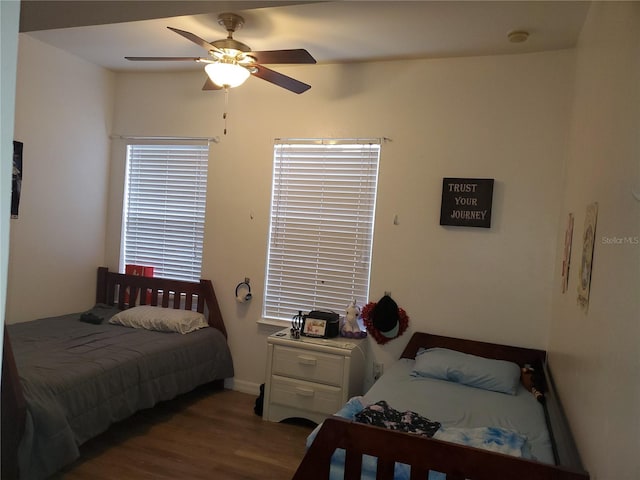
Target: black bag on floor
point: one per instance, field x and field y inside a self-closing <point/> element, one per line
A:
<point x="259" y="402"/>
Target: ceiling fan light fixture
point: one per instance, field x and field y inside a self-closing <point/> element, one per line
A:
<point x="227" y="74"/>
<point x="229" y="63"/>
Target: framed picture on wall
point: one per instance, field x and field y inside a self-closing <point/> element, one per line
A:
<point x="566" y="259"/>
<point x="466" y="202"/>
<point x="586" y="263"/>
<point x="16" y="178"/>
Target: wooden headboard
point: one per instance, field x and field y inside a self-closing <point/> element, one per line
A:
<point x="128" y="290"/>
<point x="521" y="356"/>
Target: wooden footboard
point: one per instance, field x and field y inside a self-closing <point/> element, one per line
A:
<point x="421" y="453"/>
<point x="14" y="411"/>
<point x="456" y="461"/>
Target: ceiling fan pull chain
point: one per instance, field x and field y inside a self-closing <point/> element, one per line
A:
<point x="226" y="104"/>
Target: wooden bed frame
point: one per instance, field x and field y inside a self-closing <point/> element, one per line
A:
<point x="112" y="289"/>
<point x="124" y="290"/>
<point x="456" y="461"/>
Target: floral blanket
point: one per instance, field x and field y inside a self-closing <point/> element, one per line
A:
<point x="381" y="414"/>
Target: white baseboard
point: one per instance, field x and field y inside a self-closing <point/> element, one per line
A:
<point x="243" y="386"/>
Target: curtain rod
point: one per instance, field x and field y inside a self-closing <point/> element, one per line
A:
<point x="331" y="141"/>
<point x="138" y="137"/>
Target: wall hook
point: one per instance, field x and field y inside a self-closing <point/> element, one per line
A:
<point x="243" y="291"/>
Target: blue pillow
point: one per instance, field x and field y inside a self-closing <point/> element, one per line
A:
<point x="471" y="370"/>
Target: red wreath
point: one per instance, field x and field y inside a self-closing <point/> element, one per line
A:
<point x="403" y="323"/>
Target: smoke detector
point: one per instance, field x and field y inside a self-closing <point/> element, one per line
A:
<point x="518" y="36"/>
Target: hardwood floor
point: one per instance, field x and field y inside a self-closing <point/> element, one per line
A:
<point x="206" y="434"/>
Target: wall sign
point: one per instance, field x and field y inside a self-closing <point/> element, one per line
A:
<point x="466" y="202"/>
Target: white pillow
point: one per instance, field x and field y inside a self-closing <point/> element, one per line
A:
<point x="160" y="319"/>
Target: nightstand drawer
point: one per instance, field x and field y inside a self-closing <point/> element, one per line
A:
<point x="308" y="365"/>
<point x="307" y="396"/>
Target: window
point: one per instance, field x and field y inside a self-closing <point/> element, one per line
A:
<point x="321" y="230"/>
<point x="164" y="207"/>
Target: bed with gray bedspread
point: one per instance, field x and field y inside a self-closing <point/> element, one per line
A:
<point x="78" y="378"/>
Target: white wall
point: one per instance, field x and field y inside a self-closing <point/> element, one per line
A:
<point x="500" y="117"/>
<point x="595" y="356"/>
<point x="63" y="116"/>
<point x="9" y="19"/>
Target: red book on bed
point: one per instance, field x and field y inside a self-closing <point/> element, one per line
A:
<point x="141" y="271"/>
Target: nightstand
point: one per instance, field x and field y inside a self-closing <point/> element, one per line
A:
<point x="311" y="378"/>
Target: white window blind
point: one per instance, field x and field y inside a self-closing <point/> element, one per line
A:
<point x="321" y="230"/>
<point x="164" y="208"/>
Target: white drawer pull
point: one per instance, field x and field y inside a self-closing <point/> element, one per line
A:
<point x="307" y="360"/>
<point x="304" y="392"/>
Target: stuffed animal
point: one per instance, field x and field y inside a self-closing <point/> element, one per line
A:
<point x="350" y="328"/>
<point x="530" y="381"/>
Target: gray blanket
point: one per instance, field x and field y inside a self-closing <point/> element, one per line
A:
<point x="78" y="378"/>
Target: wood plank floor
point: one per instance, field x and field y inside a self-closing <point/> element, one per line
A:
<point x="206" y="434"/>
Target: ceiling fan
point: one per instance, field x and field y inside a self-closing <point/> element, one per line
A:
<point x="231" y="62"/>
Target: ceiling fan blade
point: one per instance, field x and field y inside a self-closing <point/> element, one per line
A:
<point x="195" y="39"/>
<point x="164" y="59"/>
<point x="299" y="55"/>
<point x="209" y="85"/>
<point x="281" y="80"/>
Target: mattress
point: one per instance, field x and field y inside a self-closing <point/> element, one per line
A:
<point x="456" y="405"/>
<point x="79" y="378"/>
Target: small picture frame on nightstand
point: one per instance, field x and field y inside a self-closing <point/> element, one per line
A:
<point x="314" y="327"/>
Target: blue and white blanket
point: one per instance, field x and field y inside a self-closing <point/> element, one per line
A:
<point x="496" y="439"/>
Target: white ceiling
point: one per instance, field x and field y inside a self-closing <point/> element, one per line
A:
<point x="342" y="31"/>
